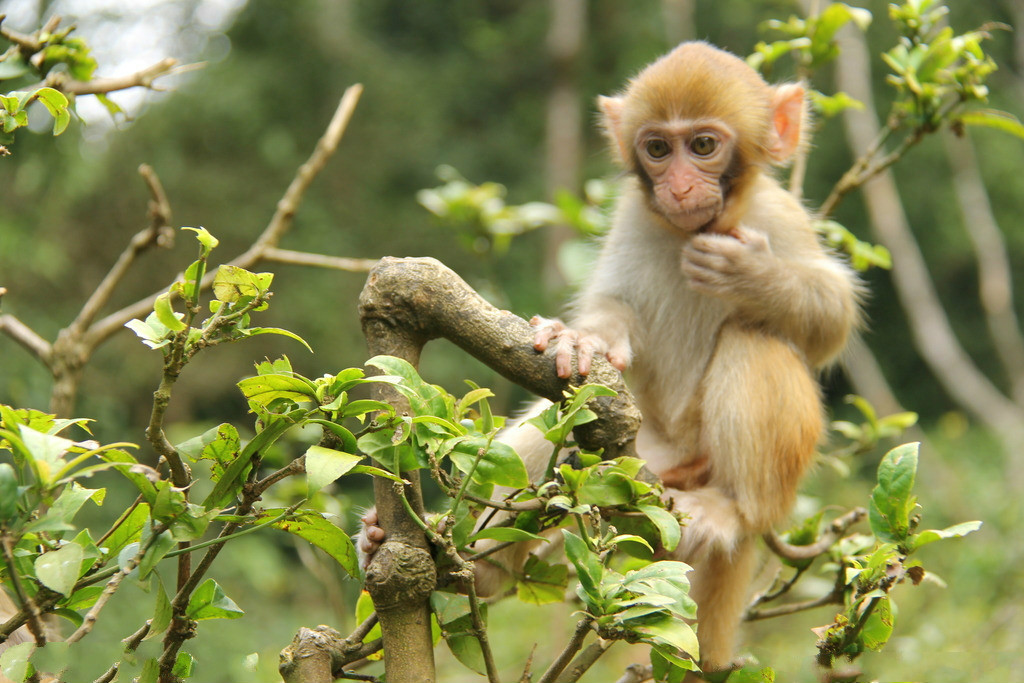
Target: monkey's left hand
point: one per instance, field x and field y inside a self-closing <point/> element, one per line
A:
<point x="735" y="266"/>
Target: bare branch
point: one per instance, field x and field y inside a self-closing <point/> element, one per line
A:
<point x="994" y="270"/>
<point x="834" y="532"/>
<point x="24" y="335"/>
<point x="407" y="302"/>
<point x="583" y="627"/>
<point x="305" y="258"/>
<point x="99" y="86"/>
<point x="279" y="224"/>
<point x="155" y="234"/>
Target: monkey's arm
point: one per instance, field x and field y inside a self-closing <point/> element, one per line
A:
<point x="809" y="298"/>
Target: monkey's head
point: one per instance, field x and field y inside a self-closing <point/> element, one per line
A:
<point x="695" y="127"/>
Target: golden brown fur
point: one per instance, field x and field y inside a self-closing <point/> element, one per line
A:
<point x="721" y="324"/>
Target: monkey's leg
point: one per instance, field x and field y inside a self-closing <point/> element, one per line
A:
<point x="719" y="586"/>
<point x="761" y="423"/>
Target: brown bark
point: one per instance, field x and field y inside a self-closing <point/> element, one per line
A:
<point x="405" y="304"/>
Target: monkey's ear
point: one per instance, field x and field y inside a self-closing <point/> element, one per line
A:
<point x="611" y="118"/>
<point x="789" y="107"/>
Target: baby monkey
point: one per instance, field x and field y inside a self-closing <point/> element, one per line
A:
<point x="714" y="294"/>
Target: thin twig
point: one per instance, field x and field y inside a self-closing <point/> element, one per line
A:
<point x="279" y="224"/>
<point x="160" y="216"/>
<point x="583" y="627"/>
<point x="584" y="660"/>
<point x="26" y="336"/>
<point x="807" y="552"/>
<point x="305" y="258"/>
<point x="98" y="86"/>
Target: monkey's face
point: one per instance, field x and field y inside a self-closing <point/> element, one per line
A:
<point x="681" y="164"/>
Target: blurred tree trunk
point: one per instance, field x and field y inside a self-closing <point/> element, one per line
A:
<point x="564" y="120"/>
<point x="933" y="335"/>
<point x="994" y="271"/>
<point x="678" y="17"/>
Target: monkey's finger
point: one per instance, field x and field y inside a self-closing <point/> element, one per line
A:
<point x="585" y="350"/>
<point x="563" y="355"/>
<point x="547" y="329"/>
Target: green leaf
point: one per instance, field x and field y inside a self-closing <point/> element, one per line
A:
<point x="152" y="332"/>
<point x="324" y="465"/>
<point x="184" y="665"/>
<point x="666" y="630"/>
<point x="8" y="494"/>
<point x="667" y="524"/>
<point x="59" y="569"/>
<point x="878" y="626"/>
<point x="140" y="475"/>
<point x="274" y="429"/>
<point x="14" y="661"/>
<point x="72" y="499"/>
<point x="162" y="611"/>
<point x="207" y="241"/>
<point x="252" y="331"/>
<point x="542" y="583"/>
<point x="993" y="118"/>
<point x="506" y="534"/>
<point x="891" y="500"/>
<point x="500" y="464"/>
<point x="588" y="565"/>
<point x="263" y="389"/>
<point x="54" y="100"/>
<point x="129" y="531"/>
<point x="210" y="602"/>
<point x="955" y="531"/>
<point x="314" y="528"/>
<point x="166" y="314"/>
<point x="163" y="544"/>
<point x="232" y="283"/>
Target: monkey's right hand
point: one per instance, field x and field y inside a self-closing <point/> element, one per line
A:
<point x="370" y="537"/>
<point x="587" y="345"/>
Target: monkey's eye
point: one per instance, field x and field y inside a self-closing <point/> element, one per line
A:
<point x="657" y="148"/>
<point x="704" y="145"/>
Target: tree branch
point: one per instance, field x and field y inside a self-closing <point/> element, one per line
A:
<point x="421" y="299"/>
<point x="994" y="271"/>
<point x="158" y="233"/>
<point x="304" y="258"/>
<point x="834" y="532"/>
<point x="26" y="336"/>
<point x="100" y="86"/>
<point x="279" y="224"/>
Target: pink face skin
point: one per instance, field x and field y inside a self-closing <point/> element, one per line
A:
<point x="685" y="160"/>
